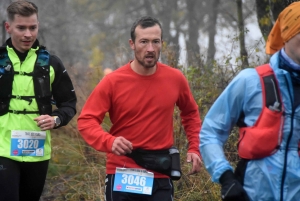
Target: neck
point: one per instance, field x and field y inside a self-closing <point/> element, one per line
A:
<point x="141" y="70"/>
<point x="292" y="64"/>
<point x="22" y="55"/>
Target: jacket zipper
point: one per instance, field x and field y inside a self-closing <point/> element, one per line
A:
<point x="287" y="143"/>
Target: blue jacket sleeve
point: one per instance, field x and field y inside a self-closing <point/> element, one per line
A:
<point x="239" y="96"/>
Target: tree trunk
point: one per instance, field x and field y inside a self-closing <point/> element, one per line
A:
<point x="264" y="9"/>
<point x="213" y="15"/>
<point x="243" y="51"/>
<point x="263" y="17"/>
<point x="172" y="55"/>
<point x="148" y="7"/>
<point x="276" y="7"/>
<point x="193" y="49"/>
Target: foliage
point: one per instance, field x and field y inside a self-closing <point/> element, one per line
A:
<point x="76" y="171"/>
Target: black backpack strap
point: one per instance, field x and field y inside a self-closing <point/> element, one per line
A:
<point x="23" y="112"/>
<point x="23" y="73"/>
<point x="41" y="81"/>
<point x="6" y="80"/>
<point x="27" y="98"/>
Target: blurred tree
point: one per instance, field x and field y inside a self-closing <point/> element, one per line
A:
<point x="212" y="29"/>
<point x="171" y="29"/>
<point x="241" y="35"/>
<point x="267" y="12"/>
<point x="194" y="20"/>
<point x="3" y="6"/>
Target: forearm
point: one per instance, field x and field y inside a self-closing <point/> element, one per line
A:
<point x="65" y="112"/>
<point x="94" y="135"/>
<point x="215" y="160"/>
<point x="192" y="125"/>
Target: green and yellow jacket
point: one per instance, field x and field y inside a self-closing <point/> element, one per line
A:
<point x="27" y="89"/>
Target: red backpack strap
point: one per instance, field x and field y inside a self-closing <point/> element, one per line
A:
<point x="270" y="89"/>
<point x="264" y="70"/>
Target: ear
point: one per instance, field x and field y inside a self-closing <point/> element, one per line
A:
<point x="7" y="27"/>
<point x="131" y="43"/>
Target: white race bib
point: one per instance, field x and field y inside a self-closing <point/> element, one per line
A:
<point x="133" y="180"/>
<point x="27" y="143"/>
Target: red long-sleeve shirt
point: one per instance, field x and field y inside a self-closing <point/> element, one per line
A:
<point x="141" y="110"/>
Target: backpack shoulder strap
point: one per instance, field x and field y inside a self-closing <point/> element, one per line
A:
<point x="3" y="56"/>
<point x="271" y="95"/>
<point x="43" y="57"/>
<point x="270" y="89"/>
<point x="5" y="63"/>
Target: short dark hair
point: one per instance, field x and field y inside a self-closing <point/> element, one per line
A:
<point x="144" y="22"/>
<point x="21" y="7"/>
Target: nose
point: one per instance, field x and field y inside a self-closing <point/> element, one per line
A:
<point x="27" y="33"/>
<point x="150" y="47"/>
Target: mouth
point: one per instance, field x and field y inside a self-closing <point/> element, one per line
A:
<point x="26" y="42"/>
<point x="149" y="57"/>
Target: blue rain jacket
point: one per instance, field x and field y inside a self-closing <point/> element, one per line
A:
<point x="263" y="177"/>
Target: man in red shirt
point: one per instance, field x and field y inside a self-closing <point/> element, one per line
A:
<point x="140" y="98"/>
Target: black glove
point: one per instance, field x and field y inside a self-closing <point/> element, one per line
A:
<point x="231" y="189"/>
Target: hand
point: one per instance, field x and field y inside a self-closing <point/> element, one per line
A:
<point x="45" y="122"/>
<point x="121" y="146"/>
<point x="231" y="189"/>
<point x="192" y="157"/>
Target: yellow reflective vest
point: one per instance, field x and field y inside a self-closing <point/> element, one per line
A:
<point x="23" y="85"/>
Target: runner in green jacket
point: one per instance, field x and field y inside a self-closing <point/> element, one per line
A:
<point x="30" y="79"/>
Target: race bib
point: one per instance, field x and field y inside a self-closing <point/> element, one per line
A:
<point x="133" y="180"/>
<point x="27" y="143"/>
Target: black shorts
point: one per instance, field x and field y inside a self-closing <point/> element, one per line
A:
<point x="22" y="181"/>
<point x="163" y="190"/>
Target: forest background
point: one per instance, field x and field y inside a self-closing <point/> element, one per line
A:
<point x="209" y="40"/>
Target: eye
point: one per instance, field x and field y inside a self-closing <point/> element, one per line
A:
<point x="32" y="28"/>
<point x="144" y="42"/>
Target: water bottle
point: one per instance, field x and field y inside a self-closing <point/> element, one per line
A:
<point x="175" y="163"/>
<point x="163" y="163"/>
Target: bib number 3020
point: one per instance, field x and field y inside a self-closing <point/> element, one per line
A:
<point x="27" y="143"/>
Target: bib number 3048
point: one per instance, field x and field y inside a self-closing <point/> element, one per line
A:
<point x="133" y="180"/>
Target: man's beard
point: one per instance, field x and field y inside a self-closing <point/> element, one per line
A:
<point x="147" y="65"/>
<point x="151" y="65"/>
